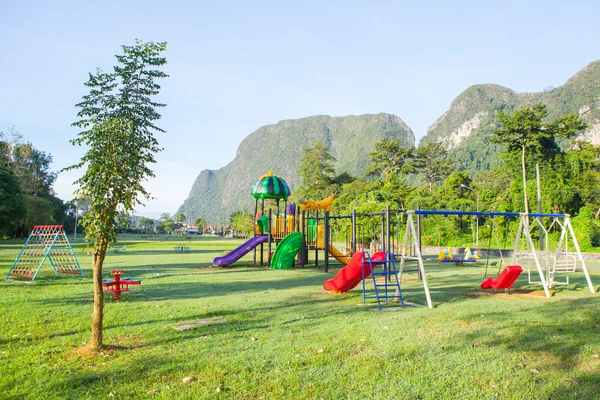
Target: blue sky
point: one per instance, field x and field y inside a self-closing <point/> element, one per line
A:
<point x="235" y="66"/>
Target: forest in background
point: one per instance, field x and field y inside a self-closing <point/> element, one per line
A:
<point x="570" y="182"/>
<point x="27" y="197"/>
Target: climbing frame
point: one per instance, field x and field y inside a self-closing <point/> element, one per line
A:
<point x="45" y="242"/>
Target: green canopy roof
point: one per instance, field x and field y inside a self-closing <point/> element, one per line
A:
<point x="271" y="186"/>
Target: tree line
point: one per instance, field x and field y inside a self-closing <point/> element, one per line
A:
<point x="27" y="197"/>
<point x="405" y="177"/>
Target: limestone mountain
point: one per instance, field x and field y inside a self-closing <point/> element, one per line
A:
<point x="217" y="193"/>
<point x="468" y="124"/>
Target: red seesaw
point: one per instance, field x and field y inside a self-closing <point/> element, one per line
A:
<point x="118" y="284"/>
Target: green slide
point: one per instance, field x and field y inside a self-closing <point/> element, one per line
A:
<point x="286" y="251"/>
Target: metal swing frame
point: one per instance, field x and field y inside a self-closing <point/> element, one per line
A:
<point x="558" y="261"/>
<point x="523" y="230"/>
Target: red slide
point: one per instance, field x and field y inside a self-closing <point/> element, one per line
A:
<point x="351" y="274"/>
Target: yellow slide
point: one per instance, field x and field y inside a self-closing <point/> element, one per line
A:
<point x="337" y="255"/>
<point x="312" y="204"/>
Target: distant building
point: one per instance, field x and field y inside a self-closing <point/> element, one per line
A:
<point x="191" y="229"/>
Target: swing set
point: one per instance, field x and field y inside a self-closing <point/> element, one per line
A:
<point x="554" y="262"/>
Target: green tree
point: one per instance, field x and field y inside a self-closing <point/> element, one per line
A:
<point x="117" y="122"/>
<point x="32" y="166"/>
<point x="389" y="156"/>
<point x="180" y="217"/>
<point x="12" y="202"/>
<point x="40" y="211"/>
<point x="146" y="224"/>
<point x="430" y="162"/>
<point x="524" y="132"/>
<point x="394" y="191"/>
<point x="169" y="226"/>
<point x="242" y="223"/>
<point x="165" y="217"/>
<point x="568" y="126"/>
<point x="316" y="171"/>
<point x="200" y="224"/>
<point x="5" y="155"/>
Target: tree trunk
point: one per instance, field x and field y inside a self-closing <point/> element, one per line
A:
<point x="98" y="314"/>
<point x="524" y="180"/>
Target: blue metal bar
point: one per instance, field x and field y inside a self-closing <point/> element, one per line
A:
<point x="485" y="213"/>
<point x="388" y="268"/>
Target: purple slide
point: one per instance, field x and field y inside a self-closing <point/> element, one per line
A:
<point x="240" y="252"/>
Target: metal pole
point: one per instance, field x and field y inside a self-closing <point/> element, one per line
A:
<point x="353" y="232"/>
<point x="304" y="246"/>
<point x="411" y="226"/>
<point x="536" y="259"/>
<point x="477" y="220"/>
<point x="277" y="226"/>
<point x="255" y="225"/>
<point x="317" y="240"/>
<point x="284" y="218"/>
<point x="326" y="241"/>
<point x="578" y="249"/>
<point x="387" y="228"/>
<point x="262" y="212"/>
<point x="382" y="239"/>
<point x="539" y="196"/>
<point x="269" y="240"/>
<point x="418" y="241"/>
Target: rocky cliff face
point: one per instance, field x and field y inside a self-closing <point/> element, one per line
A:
<point x="468" y="124"/>
<point x="217" y="193"/>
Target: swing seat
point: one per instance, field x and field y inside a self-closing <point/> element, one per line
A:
<point x="505" y="280"/>
<point x="564" y="263"/>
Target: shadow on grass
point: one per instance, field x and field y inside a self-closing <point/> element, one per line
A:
<point x="154" y="290"/>
<point x="556" y="343"/>
<point x="161" y="251"/>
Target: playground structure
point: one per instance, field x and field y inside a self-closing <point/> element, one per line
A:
<point x="282" y="226"/>
<point x="298" y="231"/>
<point x="45" y="242"/>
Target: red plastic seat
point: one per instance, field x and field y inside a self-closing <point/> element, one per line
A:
<point x="505" y="280"/>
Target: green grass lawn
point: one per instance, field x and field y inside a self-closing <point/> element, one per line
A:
<point x="275" y="334"/>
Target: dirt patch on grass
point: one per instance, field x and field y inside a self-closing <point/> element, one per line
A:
<point x="89" y="352"/>
<point x="123" y="343"/>
<point x="514" y="294"/>
<point x="200" y="322"/>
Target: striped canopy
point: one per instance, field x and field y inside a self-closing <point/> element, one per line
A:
<point x="270" y="186"/>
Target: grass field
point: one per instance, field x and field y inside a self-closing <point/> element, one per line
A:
<point x="275" y="334"/>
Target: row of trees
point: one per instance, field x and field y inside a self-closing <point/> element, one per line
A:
<point x="177" y="223"/>
<point x="407" y="177"/>
<point x="26" y="194"/>
<point x="390" y="162"/>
